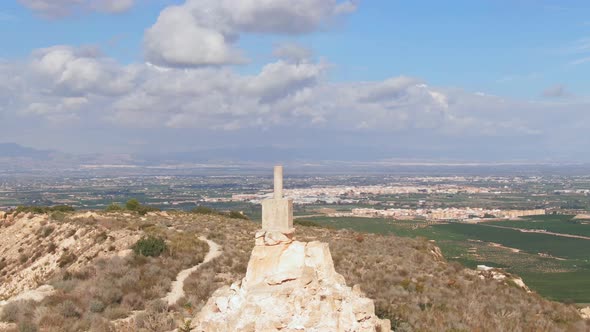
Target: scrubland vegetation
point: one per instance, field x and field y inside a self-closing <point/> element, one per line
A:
<point x="107" y="290"/>
<point x="411" y="283"/>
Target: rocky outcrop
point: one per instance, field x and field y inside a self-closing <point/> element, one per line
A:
<point x="290" y="286"/>
<point x="491" y="273"/>
<point x="35" y="247"/>
<point x="585" y="313"/>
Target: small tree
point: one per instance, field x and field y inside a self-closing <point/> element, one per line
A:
<point x="149" y="246"/>
<point x="203" y="210"/>
<point x="237" y="215"/>
<point x="113" y="207"/>
<point x="187" y="326"/>
<point x="133" y="205"/>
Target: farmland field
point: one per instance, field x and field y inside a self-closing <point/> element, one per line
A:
<point x="557" y="224"/>
<point x="556" y="267"/>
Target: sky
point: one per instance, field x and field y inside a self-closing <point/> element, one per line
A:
<point x="497" y="80"/>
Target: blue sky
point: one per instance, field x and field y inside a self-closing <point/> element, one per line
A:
<point x="506" y="47"/>
<point x="529" y="58"/>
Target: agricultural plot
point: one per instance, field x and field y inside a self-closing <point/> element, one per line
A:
<point x="550" y="223"/>
<point x="556" y="267"/>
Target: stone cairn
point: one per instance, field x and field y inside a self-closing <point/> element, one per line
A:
<point x="289" y="285"/>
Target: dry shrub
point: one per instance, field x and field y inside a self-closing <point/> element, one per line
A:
<point x="414" y="288"/>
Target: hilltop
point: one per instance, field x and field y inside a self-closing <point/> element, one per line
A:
<point x="110" y="271"/>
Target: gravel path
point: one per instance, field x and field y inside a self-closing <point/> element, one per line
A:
<point x="177" y="290"/>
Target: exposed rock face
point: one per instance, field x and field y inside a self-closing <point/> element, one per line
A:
<point x="486" y="272"/>
<point x="29" y="260"/>
<point x="290" y="286"/>
<point x="585" y="313"/>
<point x="273" y="238"/>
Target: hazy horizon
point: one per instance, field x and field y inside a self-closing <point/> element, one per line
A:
<point x="485" y="81"/>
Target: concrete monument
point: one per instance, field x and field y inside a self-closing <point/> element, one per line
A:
<point x="277" y="212"/>
<point x="290" y="286"/>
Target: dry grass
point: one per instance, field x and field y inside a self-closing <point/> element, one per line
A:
<point x="110" y="288"/>
<point x="410" y="283"/>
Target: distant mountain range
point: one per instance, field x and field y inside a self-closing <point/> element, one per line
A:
<point x="13" y="150"/>
<point x="18" y="159"/>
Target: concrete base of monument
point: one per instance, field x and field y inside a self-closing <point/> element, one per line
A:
<point x="290" y="287"/>
<point x="273" y="238"/>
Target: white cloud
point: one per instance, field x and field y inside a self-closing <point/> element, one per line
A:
<point x="282" y="16"/>
<point x="85" y="89"/>
<point x="71" y="71"/>
<point x="292" y="52"/>
<point x="280" y="79"/>
<point x="61" y="8"/>
<point x="111" y="6"/>
<point x="64" y="80"/>
<point x="203" y="32"/>
<point x="177" y="39"/>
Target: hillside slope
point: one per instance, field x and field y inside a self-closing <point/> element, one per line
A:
<point x="106" y="286"/>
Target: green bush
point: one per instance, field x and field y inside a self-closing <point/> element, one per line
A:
<point x="237" y="215"/>
<point x="132" y="205"/>
<point x="145" y="209"/>
<point x="27" y="327"/>
<point x="307" y="223"/>
<point x="203" y="210"/>
<point x="62" y="208"/>
<point x="58" y="216"/>
<point x="66" y="259"/>
<point x="186" y="326"/>
<point x="11" y="312"/>
<point x="114" y="207"/>
<point x="45" y="231"/>
<point x="44" y="209"/>
<point x="68" y="309"/>
<point x="149" y="246"/>
<point x="96" y="306"/>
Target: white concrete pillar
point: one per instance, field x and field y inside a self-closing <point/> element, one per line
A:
<point x="278" y="182"/>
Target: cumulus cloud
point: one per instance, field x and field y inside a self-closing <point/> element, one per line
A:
<point x="204" y="32"/>
<point x="292" y="52"/>
<point x="61" y="8"/>
<point x="74" y="72"/>
<point x="281" y="79"/>
<point x="177" y="39"/>
<point x="64" y="84"/>
<point x="65" y="80"/>
<point x="112" y="6"/>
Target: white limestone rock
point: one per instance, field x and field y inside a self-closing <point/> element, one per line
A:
<point x="290" y="287"/>
<point x="273" y="238"/>
<point x="585" y="313"/>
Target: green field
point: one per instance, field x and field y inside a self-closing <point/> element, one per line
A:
<point x="551" y="223"/>
<point x="556" y="267"/>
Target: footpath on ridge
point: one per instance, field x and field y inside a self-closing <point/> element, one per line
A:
<point x="177" y="289"/>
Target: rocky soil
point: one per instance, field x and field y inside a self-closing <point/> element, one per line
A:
<point x="97" y="279"/>
<point x="290" y="286"/>
<point x="35" y="247"/>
